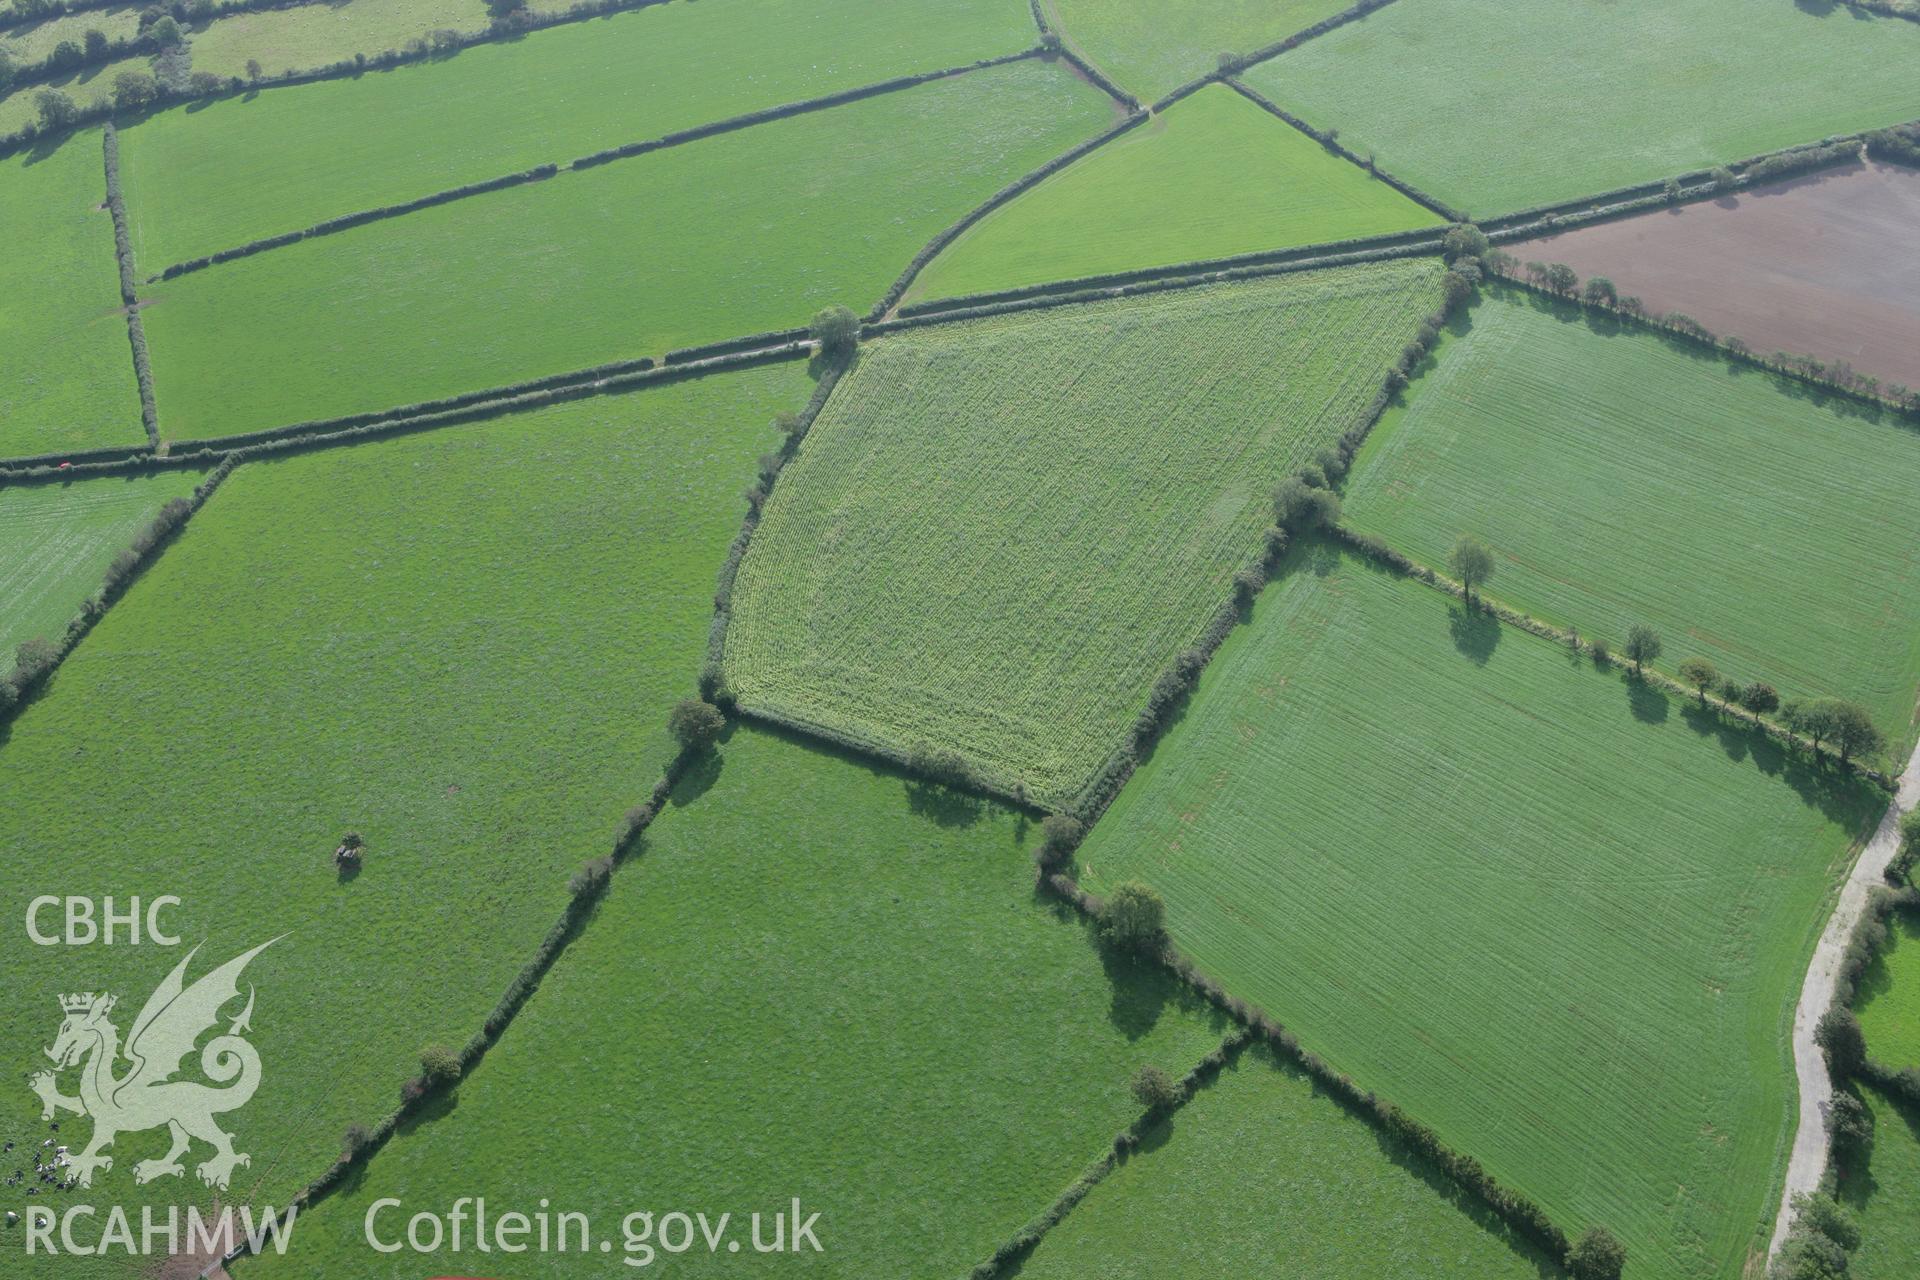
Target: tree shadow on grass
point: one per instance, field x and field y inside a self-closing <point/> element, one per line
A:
<point x="1735" y="738"/>
<point x="944" y="806"/>
<point x="1475" y="632"/>
<point x="1648" y="701"/>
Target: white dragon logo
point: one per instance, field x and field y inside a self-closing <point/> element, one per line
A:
<point x="147" y="1096"/>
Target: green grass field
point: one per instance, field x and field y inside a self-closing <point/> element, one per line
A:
<point x="1213" y="177"/>
<point x="1493" y="108"/>
<point x="30" y="44"/>
<point x="1262" y="1175"/>
<point x="315" y="35"/>
<point x="750" y="231"/>
<point x="1884" y="1194"/>
<point x="1889" y="996"/>
<point x="1622" y="478"/>
<point x="87" y="88"/>
<point x="462" y="644"/>
<point x="1557" y="916"/>
<point x="999" y="533"/>
<point x="57" y="540"/>
<point x="1151" y="49"/>
<point x="66" y="372"/>
<point x="897" y="1030"/>
<point x="209" y="177"/>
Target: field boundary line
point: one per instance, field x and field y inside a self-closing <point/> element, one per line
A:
<point x="951" y="232"/>
<point x="587" y="888"/>
<point x="1193" y="275"/>
<point x="1381" y="552"/>
<point x="1681" y="188"/>
<point x="27" y="685"/>
<point x="626" y="376"/>
<point x="1519" y="1212"/>
<point x="543" y="172"/>
<point x="1024" y="1241"/>
<point x="344" y="69"/>
<point x="713" y="682"/>
<point x="1838" y="957"/>
<point x="129" y="293"/>
<point x="1419" y="238"/>
<point x="1699" y="336"/>
<point x="1333" y="144"/>
<point x="1055" y="40"/>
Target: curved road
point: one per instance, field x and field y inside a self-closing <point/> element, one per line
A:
<point x="1809" y="1159"/>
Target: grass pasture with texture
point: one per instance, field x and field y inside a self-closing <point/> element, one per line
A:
<point x="66" y="372"/>
<point x="1889" y="996"/>
<point x="1152" y="48"/>
<point x="1553" y="914"/>
<point x="898" y="1030"/>
<point x="1498" y="107"/>
<point x="215" y="175"/>
<point x="1260" y="1174"/>
<point x="1622" y="477"/>
<point x="462" y="645"/>
<point x="732" y="235"/>
<point x="999" y="533"/>
<point x="1213" y="176"/>
<point x="56" y="542"/>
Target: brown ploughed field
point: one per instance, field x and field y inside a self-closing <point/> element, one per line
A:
<point x="1823" y="264"/>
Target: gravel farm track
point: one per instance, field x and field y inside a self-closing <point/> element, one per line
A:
<point x="1809" y="1159"/>
<point x="1804" y="265"/>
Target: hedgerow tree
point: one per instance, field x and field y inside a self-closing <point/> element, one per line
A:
<point x="1853" y="730"/>
<point x="1562" y="279"/>
<point x="1471" y="563"/>
<point x="1851" y="1126"/>
<point x="1154" y="1088"/>
<point x="1840" y="1038"/>
<point x="1135" y="917"/>
<point x="695" y="723"/>
<point x="1596" y="1255"/>
<point x="1464" y="240"/>
<point x="1643" y="645"/>
<point x="837" y="330"/>
<point x="1060" y="835"/>
<point x="1600" y="292"/>
<point x="439" y="1065"/>
<point x="56" y="109"/>
<point x="1701" y="674"/>
<point x="1760" y="698"/>
<point x="1300" y="506"/>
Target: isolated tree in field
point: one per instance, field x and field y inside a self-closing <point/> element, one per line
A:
<point x="1464" y="240"/>
<point x="1840" y="1038"/>
<point x="1596" y="1255"/>
<point x="1853" y="730"/>
<point x="1299" y="506"/>
<point x="1701" y="674"/>
<point x="1600" y="292"/>
<point x="1643" y="645"/>
<point x="56" y="109"/>
<point x="1154" y="1088"/>
<point x="1561" y="279"/>
<point x="1760" y="698"/>
<point x="1471" y="563"/>
<point x="837" y="330"/>
<point x="695" y="723"/>
<point x="1134" y="917"/>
